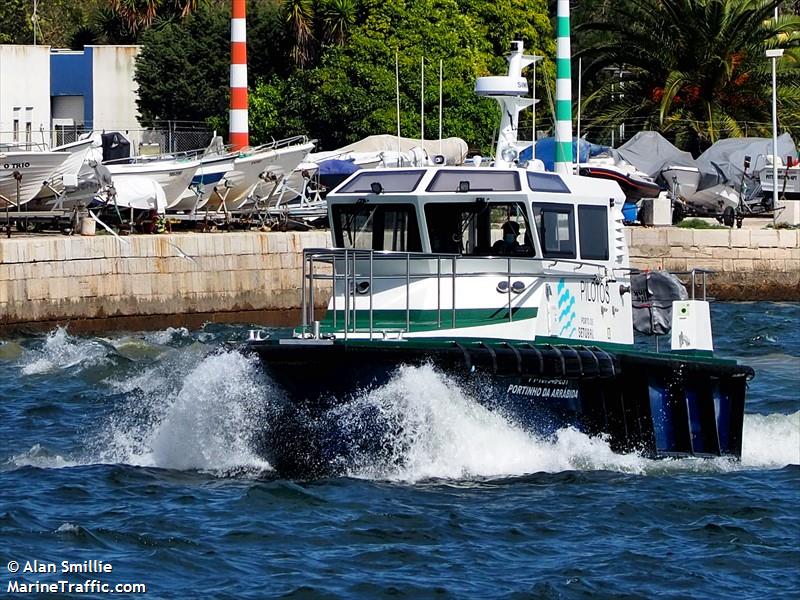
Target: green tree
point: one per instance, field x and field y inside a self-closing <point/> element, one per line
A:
<point x="337" y="19"/>
<point x="15" y="22"/>
<point x="693" y="69"/>
<point x="141" y="14"/>
<point x="182" y="70"/>
<point x="348" y="90"/>
<point x="351" y="93"/>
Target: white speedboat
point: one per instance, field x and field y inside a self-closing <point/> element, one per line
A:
<point x="210" y="172"/>
<point x="269" y="163"/>
<point x="68" y="185"/>
<point x="634" y="183"/>
<point x="22" y="174"/>
<point x="174" y="176"/>
<point x="788" y="181"/>
<point x="682" y="180"/>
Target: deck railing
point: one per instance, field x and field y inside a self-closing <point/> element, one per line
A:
<point x="348" y="270"/>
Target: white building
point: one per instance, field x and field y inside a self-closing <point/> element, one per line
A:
<point x="47" y="96"/>
<point x="24" y="93"/>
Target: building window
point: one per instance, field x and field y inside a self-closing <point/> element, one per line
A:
<point x="28" y="125"/>
<point x="16" y="124"/>
<point x="593" y="232"/>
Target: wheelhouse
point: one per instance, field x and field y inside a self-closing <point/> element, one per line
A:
<point x="465" y="211"/>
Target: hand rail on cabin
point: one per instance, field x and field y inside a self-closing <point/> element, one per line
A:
<point x="314" y="256"/>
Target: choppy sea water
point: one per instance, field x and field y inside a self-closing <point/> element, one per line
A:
<point x="137" y="449"/>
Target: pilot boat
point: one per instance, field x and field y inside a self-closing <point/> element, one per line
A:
<point x="541" y="331"/>
<point x="537" y="326"/>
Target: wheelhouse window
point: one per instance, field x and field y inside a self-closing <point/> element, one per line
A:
<point x="556" y="226"/>
<point x="389" y="181"/>
<point x="479" y="228"/>
<point x="465" y="180"/>
<point x="546" y="182"/>
<point x="380" y="227"/>
<point x="593" y="232"/>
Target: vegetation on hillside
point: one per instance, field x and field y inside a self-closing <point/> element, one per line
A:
<point x="693" y="69"/>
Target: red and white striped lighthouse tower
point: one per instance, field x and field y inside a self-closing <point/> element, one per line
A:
<point x="239" y="135"/>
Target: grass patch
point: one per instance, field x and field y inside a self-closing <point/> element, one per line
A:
<point x="699" y="224"/>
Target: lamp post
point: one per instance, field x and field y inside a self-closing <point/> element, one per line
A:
<point x="774" y="55"/>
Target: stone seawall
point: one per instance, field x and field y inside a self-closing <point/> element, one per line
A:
<point x="156" y="280"/>
<point x="749" y="264"/>
<point x="57" y="279"/>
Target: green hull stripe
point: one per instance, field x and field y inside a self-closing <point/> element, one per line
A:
<point x="425" y="320"/>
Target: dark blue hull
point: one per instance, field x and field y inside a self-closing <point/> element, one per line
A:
<point x="655" y="404"/>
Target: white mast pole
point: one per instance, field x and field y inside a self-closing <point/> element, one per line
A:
<point x="533" y="116"/>
<point x="578" y="135"/>
<point x="440" y="106"/>
<point x="775" y="132"/>
<point x="422" y="103"/>
<point x="397" y="92"/>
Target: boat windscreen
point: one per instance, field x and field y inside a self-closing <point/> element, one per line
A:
<point x="464" y="180"/>
<point x="389" y="181"/>
<point x="479" y="228"/>
<point x="378" y="227"/>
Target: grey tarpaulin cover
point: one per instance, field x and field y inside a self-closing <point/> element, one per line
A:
<point x="653" y="293"/>
<point x="651" y="153"/>
<point x="723" y="163"/>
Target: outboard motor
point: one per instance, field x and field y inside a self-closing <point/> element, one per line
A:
<point x="115" y="146"/>
<point x="653" y="293"/>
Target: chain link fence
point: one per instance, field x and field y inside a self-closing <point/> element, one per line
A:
<point x="164" y="137"/>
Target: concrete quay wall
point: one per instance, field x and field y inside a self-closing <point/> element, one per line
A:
<point x="57" y="279"/>
<point x="749" y="264"/>
<point x="155" y="280"/>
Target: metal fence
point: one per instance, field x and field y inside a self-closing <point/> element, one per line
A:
<point x="163" y="137"/>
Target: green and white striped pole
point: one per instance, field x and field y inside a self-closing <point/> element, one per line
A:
<point x="563" y="91"/>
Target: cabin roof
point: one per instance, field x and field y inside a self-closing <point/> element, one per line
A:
<point x="464" y="183"/>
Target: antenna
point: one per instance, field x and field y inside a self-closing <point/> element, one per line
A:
<point x="578" y="134"/>
<point x="422" y="104"/>
<point x="397" y="92"/>
<point x="440" y="106"/>
<point x="533" y="115"/>
<point x="508" y="90"/>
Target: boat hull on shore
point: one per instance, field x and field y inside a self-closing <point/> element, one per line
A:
<point x="655" y="404"/>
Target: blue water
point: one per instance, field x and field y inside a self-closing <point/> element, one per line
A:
<point x="136" y="449"/>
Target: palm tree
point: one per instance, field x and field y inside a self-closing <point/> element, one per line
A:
<point x="300" y="16"/>
<point x="140" y="14"/>
<point x="693" y="69"/>
<point x="337" y="18"/>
